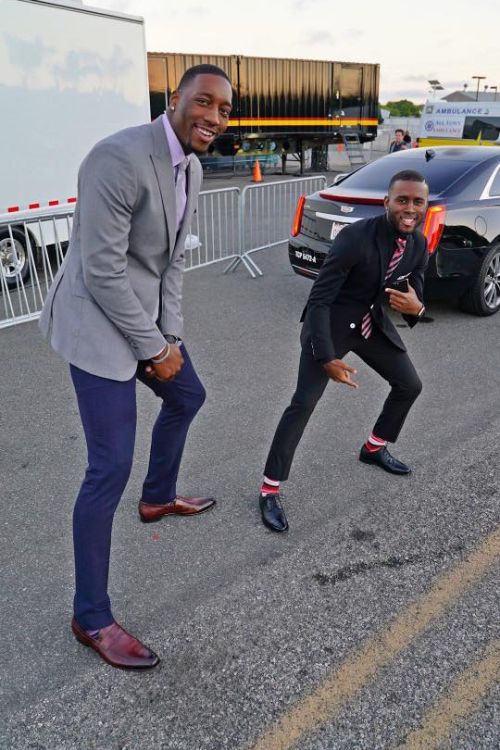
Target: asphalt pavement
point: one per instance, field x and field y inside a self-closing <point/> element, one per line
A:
<point x="374" y="619"/>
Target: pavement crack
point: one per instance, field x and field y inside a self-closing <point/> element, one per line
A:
<point x="393" y="561"/>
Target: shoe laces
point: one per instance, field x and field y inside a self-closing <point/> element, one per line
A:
<point x="273" y="499"/>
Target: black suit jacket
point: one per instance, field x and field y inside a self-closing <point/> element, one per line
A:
<point x="351" y="282"/>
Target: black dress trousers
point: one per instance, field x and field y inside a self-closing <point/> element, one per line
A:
<point x="390" y="362"/>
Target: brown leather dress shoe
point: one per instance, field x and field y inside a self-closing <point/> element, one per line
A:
<point x="117" y="647"/>
<point x="181" y="506"/>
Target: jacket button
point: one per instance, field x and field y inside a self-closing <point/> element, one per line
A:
<point x="352" y="325"/>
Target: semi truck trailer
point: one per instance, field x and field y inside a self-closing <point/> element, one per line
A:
<point x="280" y="106"/>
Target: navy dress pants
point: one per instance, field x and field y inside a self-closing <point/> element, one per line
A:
<point x="108" y="413"/>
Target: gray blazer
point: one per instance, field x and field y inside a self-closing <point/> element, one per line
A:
<point x="119" y="288"/>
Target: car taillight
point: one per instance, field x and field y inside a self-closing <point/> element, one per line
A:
<point x="435" y="219"/>
<point x="297" y="219"/>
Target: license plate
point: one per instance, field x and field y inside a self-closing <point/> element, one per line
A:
<point x="307" y="256"/>
<point x="337" y="227"/>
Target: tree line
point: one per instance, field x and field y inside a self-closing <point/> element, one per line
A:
<point x="403" y="108"/>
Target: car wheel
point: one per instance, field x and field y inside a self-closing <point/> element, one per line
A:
<point x="13" y="257"/>
<point x="483" y="298"/>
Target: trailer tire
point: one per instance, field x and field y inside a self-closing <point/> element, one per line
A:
<point x="14" y="264"/>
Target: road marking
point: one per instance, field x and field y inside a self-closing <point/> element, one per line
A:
<point x="463" y="698"/>
<point x="327" y="700"/>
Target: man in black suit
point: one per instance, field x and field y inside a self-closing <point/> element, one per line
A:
<point x="368" y="260"/>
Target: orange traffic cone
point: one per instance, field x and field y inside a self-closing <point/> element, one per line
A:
<point x="256" y="174"/>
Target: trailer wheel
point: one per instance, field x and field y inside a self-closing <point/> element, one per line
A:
<point x="14" y="264"/>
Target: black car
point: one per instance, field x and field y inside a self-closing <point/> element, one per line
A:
<point x="462" y="224"/>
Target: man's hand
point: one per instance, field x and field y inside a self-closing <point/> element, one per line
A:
<point x="404" y="302"/>
<point x="340" y="372"/>
<point x="168" y="369"/>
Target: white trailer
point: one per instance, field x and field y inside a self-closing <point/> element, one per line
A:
<point x="69" y="76"/>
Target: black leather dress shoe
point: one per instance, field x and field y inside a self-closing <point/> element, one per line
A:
<point x="273" y="515"/>
<point x="384" y="459"/>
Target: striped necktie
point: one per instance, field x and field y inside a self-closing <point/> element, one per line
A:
<point x="367" y="323"/>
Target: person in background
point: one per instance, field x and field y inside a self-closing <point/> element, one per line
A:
<point x="398" y="143"/>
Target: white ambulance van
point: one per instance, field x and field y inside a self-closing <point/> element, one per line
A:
<point x="69" y="76"/>
<point x="460" y="123"/>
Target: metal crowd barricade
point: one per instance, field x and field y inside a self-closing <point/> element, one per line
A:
<point x="35" y="242"/>
<point x="213" y="234"/>
<point x="229" y="225"/>
<point x="32" y="246"/>
<point x="266" y="212"/>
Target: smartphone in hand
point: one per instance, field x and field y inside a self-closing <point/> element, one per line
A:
<point x="401" y="285"/>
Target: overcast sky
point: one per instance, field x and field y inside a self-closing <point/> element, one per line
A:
<point x="448" y="40"/>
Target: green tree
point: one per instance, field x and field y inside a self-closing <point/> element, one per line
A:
<point x="403" y="108"/>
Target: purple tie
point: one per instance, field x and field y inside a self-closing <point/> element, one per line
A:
<point x="366" y="323"/>
<point x="180" y="191"/>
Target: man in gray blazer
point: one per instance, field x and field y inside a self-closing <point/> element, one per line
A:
<point x="114" y="314"/>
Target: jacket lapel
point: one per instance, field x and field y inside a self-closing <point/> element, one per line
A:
<point x="382" y="242"/>
<point x="164" y="171"/>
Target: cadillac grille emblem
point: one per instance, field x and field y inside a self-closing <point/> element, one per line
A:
<point x="347" y="209"/>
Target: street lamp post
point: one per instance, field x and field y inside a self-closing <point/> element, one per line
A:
<point x="435" y="86"/>
<point x="478" y="79"/>
<point x="494" y="88"/>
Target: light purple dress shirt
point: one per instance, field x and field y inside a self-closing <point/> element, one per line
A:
<point x="180" y="163"/>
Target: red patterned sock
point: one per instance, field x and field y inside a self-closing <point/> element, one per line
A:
<point x="269" y="487"/>
<point x="374" y="443"/>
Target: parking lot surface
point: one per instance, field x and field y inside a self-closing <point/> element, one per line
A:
<point x="372" y="624"/>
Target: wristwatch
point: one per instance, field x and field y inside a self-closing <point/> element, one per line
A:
<point x="421" y="311"/>
<point x="173" y="339"/>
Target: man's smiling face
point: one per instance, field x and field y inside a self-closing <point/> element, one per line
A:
<point x="406" y="205"/>
<point x="201" y="111"/>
